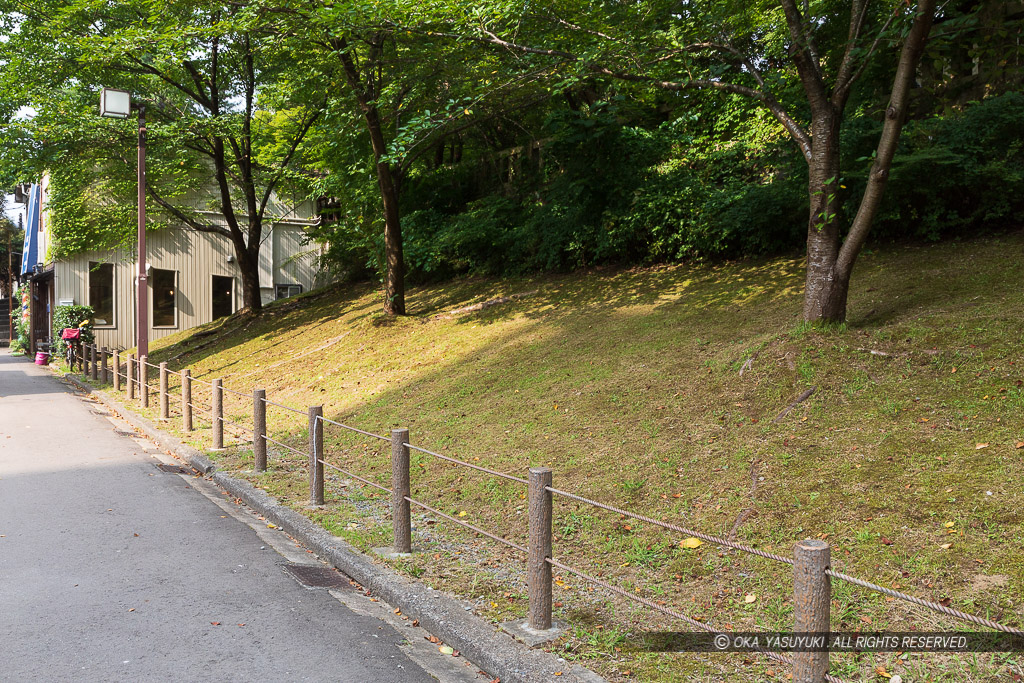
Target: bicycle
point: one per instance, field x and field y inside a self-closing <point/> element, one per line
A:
<point x="71" y="337"/>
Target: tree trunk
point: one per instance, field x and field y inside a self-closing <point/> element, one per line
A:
<point x="825" y="291"/>
<point x="249" y="269"/>
<point x="829" y="259"/>
<point x="394" y="277"/>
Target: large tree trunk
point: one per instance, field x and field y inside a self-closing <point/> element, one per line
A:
<point x="830" y="259"/>
<point x="252" y="298"/>
<point x="249" y="268"/>
<point x="394" y="275"/>
<point x="825" y="291"/>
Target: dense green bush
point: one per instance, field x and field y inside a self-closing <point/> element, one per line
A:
<point x="605" y="192"/>
<point x="598" y="187"/>
<point x="954" y="174"/>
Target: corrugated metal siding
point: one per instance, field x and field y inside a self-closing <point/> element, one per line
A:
<point x="196" y="257"/>
<point x="296" y="262"/>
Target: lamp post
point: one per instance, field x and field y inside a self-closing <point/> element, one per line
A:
<point x="117" y="104"/>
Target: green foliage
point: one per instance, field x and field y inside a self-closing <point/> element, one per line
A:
<point x="89" y="208"/>
<point x="20" y="319"/>
<point x="599" y="191"/>
<point x="71" y="316"/>
<point x="956" y="173"/>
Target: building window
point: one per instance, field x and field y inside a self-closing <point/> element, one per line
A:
<point x="223" y="296"/>
<point x="285" y="291"/>
<point x="101" y="293"/>
<point x="165" y="287"/>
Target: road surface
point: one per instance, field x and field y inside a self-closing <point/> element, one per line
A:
<point x="114" y="570"/>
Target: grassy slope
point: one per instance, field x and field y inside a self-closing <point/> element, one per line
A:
<point x="628" y="385"/>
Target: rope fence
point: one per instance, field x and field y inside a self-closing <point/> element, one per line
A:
<point x="948" y="611"/>
<point x="467" y="464"/>
<point x="810" y="561"/>
<point x="673" y="527"/>
<point x="471" y="527"/>
<point x="353" y="429"/>
<point x="356" y="476"/>
<point x="294" y="450"/>
<point x="268" y="402"/>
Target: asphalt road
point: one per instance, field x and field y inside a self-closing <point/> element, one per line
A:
<point x="113" y="570"/>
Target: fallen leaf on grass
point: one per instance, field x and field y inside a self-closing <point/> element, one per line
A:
<point x="886" y="541"/>
<point x="882" y="672"/>
<point x="946" y="546"/>
<point x="979" y="446"/>
<point x="750" y="598"/>
<point x="949" y="525"/>
<point x="1019" y="445"/>
<point x="691" y="543"/>
<point x="463" y="513"/>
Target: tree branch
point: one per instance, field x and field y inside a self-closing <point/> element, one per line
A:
<point x="910" y="57"/>
<point x="807" y="65"/>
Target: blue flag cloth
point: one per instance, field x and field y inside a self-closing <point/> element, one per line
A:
<point x="30" y="250"/>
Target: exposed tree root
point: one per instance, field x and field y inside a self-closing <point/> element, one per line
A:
<point x="799" y="399"/>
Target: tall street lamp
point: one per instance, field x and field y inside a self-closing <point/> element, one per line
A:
<point x="117" y="104"/>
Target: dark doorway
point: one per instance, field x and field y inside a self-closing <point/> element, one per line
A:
<point x="223" y="296"/>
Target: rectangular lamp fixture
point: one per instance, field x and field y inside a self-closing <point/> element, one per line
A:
<point x="115" y="103"/>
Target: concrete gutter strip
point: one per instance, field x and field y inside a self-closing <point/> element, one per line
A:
<point x="448" y="618"/>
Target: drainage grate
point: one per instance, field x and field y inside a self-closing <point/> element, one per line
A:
<point x="174" y="469"/>
<point x="121" y="432"/>
<point x="316" y="576"/>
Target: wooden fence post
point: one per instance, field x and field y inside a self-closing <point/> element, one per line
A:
<point x="83" y="363"/>
<point x="165" y="407"/>
<point x="186" y="399"/>
<point x="401" y="520"/>
<point x="104" y="371"/>
<point x="812" y="596"/>
<point x="144" y="380"/>
<point x="538" y="570"/>
<point x="130" y="376"/>
<point x="316" y="455"/>
<point x="95" y="365"/>
<point x="217" y="411"/>
<point x="259" y="429"/>
<point x="117" y="370"/>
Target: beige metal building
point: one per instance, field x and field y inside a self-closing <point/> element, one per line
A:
<point x="193" y="279"/>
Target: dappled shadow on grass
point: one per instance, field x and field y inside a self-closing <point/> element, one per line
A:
<point x="741" y="284"/>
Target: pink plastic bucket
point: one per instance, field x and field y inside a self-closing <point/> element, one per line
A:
<point x="42" y="358"/>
